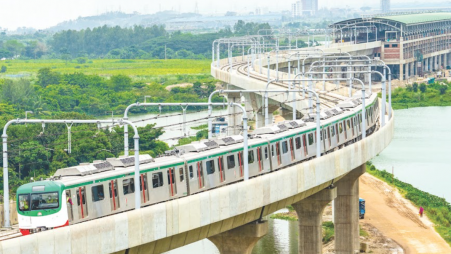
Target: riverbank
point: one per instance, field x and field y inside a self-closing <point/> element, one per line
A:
<point x="437" y="209"/>
<point x="422" y="95"/>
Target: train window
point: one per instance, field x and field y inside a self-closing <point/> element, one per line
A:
<point x="266" y="152"/>
<point x="181" y="174"/>
<point x="340" y="127"/>
<point x="230" y="161"/>
<point x="332" y="129"/>
<point x="24" y="202"/>
<point x="250" y="158"/>
<point x="97" y="193"/>
<point x="157" y="179"/>
<point x="298" y="142"/>
<point x="44" y="201"/>
<point x="284" y="147"/>
<point x="272" y="150"/>
<point x="210" y="167"/>
<point x="191" y="172"/>
<point x="128" y="186"/>
<point x="348" y="124"/>
<point x="310" y="139"/>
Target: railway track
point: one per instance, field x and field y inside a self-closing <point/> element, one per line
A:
<point x="327" y="100"/>
<point x="10" y="235"/>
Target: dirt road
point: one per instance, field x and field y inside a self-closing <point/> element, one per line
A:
<point x="398" y="219"/>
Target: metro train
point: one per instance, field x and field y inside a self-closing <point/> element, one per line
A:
<point x="102" y="188"/>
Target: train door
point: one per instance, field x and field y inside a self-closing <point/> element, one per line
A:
<point x="159" y="193"/>
<point x="304" y="143"/>
<point x="259" y="159"/>
<point x="292" y="149"/>
<point x="279" y="161"/>
<point x="200" y="175"/>
<point x="221" y="169"/>
<point x="333" y="140"/>
<point x="240" y="160"/>
<point x="81" y="203"/>
<point x="230" y="172"/>
<point x="311" y="144"/>
<point x="345" y="130"/>
<point x="328" y="137"/>
<point x="211" y="173"/>
<point x="144" y="191"/>
<point x="69" y="204"/>
<point x="114" y="200"/>
<point x="172" y="182"/>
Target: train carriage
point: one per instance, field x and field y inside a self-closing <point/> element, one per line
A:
<point x="92" y="190"/>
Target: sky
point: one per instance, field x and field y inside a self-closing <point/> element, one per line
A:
<point x="42" y="14"/>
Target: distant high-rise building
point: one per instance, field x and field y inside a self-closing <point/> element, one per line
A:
<point x="385" y="6"/>
<point x="296" y="9"/>
<point x="304" y="7"/>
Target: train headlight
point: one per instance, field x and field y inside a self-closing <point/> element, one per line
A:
<point x="39" y="214"/>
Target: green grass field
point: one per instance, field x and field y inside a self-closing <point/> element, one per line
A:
<point x="138" y="69"/>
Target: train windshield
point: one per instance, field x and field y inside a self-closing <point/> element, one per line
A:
<point x="24" y="202"/>
<point x="41" y="201"/>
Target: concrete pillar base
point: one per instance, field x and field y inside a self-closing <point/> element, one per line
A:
<point x="310" y="212"/>
<point x="346" y="212"/>
<point x="240" y="240"/>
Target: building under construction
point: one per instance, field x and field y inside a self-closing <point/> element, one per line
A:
<point x="411" y="43"/>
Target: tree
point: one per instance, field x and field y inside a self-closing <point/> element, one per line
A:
<point x="3" y="69"/>
<point x="443" y="89"/>
<point x="14" y="46"/>
<point x="47" y="77"/>
<point x="423" y="87"/>
<point x="415" y="87"/>
<point x="121" y="83"/>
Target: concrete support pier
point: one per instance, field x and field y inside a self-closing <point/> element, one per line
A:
<point x="240" y="240"/>
<point x="346" y="212"/>
<point x="310" y="212"/>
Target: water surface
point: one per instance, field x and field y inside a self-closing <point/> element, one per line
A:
<point x="420" y="152"/>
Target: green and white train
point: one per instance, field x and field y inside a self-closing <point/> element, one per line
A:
<point x="102" y="188"/>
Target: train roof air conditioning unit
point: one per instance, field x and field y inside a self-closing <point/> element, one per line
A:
<point x="127" y="161"/>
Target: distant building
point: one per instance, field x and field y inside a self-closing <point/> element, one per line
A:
<point x="258" y="11"/>
<point x="304" y="7"/>
<point x="385" y="6"/>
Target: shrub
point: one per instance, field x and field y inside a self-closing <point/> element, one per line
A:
<point x="81" y="60"/>
<point x="3" y="69"/>
<point x="443" y="89"/>
<point x="423" y="87"/>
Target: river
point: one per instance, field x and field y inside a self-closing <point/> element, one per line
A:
<point x="419" y="153"/>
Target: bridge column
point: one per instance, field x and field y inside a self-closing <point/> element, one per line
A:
<point x="310" y="212"/>
<point x="240" y="240"/>
<point x="235" y="114"/>
<point x="346" y="212"/>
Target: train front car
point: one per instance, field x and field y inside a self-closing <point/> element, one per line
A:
<point x="41" y="206"/>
